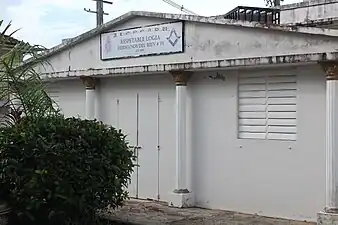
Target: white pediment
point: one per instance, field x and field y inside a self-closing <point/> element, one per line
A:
<point x="202" y="40"/>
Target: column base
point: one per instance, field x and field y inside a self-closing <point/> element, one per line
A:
<point x="327" y="218"/>
<point x="181" y="199"/>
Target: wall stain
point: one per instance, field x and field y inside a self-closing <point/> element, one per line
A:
<point x="223" y="46"/>
<point x="204" y="46"/>
<point x="218" y="76"/>
<point x="69" y="55"/>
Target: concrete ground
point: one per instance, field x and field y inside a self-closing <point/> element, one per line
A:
<point x="153" y="213"/>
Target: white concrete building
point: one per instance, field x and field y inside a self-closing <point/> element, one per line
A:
<point x="318" y="13"/>
<point x="223" y="114"/>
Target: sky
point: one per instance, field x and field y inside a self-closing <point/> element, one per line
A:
<point x="47" y="22"/>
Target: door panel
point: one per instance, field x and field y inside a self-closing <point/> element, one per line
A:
<point x="148" y="154"/>
<point x="127" y="122"/>
<point x="167" y="143"/>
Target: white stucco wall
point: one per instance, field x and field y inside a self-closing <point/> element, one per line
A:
<point x="71" y="97"/>
<point x="306" y="11"/>
<point x="116" y="105"/>
<point x="202" y="42"/>
<point x="273" y="178"/>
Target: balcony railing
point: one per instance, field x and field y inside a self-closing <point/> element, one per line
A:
<point x="253" y="14"/>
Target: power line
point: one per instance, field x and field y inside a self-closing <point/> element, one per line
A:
<point x="179" y="7"/>
<point x="99" y="11"/>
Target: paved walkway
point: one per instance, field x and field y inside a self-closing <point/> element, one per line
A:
<point x="154" y="213"/>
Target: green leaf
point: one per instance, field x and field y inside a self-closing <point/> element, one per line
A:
<point x="58" y="168"/>
<point x="21" y="86"/>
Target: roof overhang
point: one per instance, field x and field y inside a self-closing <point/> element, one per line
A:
<point x="282" y="60"/>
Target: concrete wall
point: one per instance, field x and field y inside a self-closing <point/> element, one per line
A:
<point x="225" y="42"/>
<point x="273" y="178"/>
<point x="150" y="122"/>
<point x="306" y="11"/>
<point x="71" y="97"/>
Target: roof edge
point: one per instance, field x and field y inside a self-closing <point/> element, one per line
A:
<point x="183" y="17"/>
<point x="91" y="33"/>
<point x="201" y="65"/>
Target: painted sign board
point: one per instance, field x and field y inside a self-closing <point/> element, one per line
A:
<point x="151" y="40"/>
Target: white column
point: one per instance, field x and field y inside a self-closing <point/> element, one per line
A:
<point x="331" y="136"/>
<point x="89" y="83"/>
<point x="97" y="100"/>
<point x="181" y="79"/>
<point x="181" y="143"/>
<point x="90" y="104"/>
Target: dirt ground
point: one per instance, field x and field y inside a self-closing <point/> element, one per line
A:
<point x="154" y="213"/>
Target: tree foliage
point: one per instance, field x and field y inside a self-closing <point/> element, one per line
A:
<point x="63" y="169"/>
<point x="22" y="89"/>
<point x="53" y="170"/>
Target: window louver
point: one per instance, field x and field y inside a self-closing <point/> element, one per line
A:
<point x="267" y="106"/>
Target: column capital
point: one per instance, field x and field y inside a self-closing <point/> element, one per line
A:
<point x="181" y="77"/>
<point x="89" y="82"/>
<point x="331" y="69"/>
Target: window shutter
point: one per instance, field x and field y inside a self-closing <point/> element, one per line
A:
<point x="267" y="106"/>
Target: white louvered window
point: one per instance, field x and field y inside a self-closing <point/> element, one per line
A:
<point x="267" y="106"/>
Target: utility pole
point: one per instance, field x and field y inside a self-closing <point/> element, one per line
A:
<point x="99" y="11"/>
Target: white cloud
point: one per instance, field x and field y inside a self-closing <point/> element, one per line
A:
<point x="29" y="18"/>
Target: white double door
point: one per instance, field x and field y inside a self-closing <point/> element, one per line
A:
<point x="138" y="117"/>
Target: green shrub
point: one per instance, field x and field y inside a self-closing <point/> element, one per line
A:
<point x="58" y="169"/>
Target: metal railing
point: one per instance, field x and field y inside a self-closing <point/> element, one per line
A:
<point x="254" y="14"/>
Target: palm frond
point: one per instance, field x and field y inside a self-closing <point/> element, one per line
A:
<point x="20" y="84"/>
